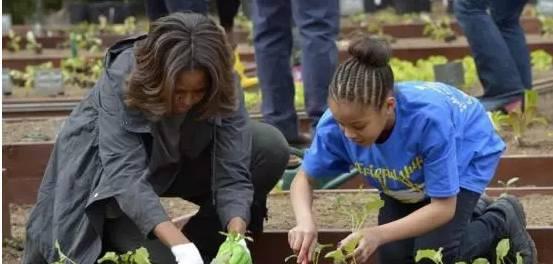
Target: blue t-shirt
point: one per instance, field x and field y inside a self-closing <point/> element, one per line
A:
<point x="442" y="140"/>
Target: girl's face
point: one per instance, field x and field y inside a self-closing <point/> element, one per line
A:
<point x="363" y="124"/>
<point x="190" y="88"/>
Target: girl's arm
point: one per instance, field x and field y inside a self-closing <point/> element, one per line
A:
<point x="301" y="193"/>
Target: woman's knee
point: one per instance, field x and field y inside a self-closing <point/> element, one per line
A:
<point x="269" y="147"/>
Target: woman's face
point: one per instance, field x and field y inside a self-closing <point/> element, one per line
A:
<point x="362" y="124"/>
<point x="190" y="88"/>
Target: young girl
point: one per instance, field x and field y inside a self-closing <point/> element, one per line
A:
<point x="165" y="119"/>
<point x="431" y="151"/>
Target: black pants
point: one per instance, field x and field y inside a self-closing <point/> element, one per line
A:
<point x="268" y="161"/>
<point x="227" y="9"/>
<point x="462" y="239"/>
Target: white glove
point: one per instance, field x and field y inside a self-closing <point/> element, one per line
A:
<point x="187" y="254"/>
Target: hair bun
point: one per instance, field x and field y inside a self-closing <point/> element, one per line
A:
<point x="371" y="52"/>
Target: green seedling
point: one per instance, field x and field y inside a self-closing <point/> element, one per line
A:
<point x="358" y="212"/>
<point x="541" y="60"/>
<point x="14" y="42"/>
<point x="498" y="119"/>
<point x="226" y="249"/>
<point x="431" y="254"/>
<point x="316" y="253"/>
<point x="520" y="121"/>
<point x="32" y="43"/>
<point x="138" y="256"/>
<point x="501" y="252"/>
<point x="546" y="25"/>
<point x="438" y="29"/>
<point x="507" y="185"/>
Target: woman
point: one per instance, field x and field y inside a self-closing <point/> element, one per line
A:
<point x="429" y="148"/>
<point x="165" y="119"/>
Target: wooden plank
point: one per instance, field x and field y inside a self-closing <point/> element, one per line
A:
<point x="6" y="216"/>
<point x="272" y="246"/>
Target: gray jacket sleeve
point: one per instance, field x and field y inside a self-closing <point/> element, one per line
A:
<point x="233" y="189"/>
<point x="125" y="164"/>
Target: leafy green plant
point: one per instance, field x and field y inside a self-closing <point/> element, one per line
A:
<point x="32" y="43"/>
<point x="358" y="213"/>
<point x="519" y="121"/>
<point x="138" y="256"/>
<point x="498" y="119"/>
<point x="426" y="67"/>
<point x="233" y="236"/>
<point x="431" y="254"/>
<point x="541" y="60"/>
<point x="128" y="27"/>
<point x="81" y="72"/>
<point x="501" y="251"/>
<point x="438" y="29"/>
<point x="26" y="78"/>
<point x="316" y="253"/>
<point x="471" y="75"/>
<point x="14" y="42"/>
<point x="546" y="25"/>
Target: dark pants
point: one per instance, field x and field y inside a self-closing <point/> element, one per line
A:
<point x="499" y="47"/>
<point x="269" y="159"/>
<point x="227" y="9"/>
<point x="462" y="239"/>
<point x="318" y="24"/>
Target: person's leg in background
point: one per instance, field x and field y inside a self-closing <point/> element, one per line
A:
<point x="227" y="10"/>
<point x="155" y="9"/>
<point x="319" y="23"/>
<point x="160" y="8"/>
<point x="506" y="15"/>
<point x="196" y="6"/>
<point x="496" y="67"/>
<point x="272" y="20"/>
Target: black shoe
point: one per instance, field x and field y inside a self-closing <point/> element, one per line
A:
<point x="515" y="228"/>
<point x="301" y="140"/>
<point x="483" y="202"/>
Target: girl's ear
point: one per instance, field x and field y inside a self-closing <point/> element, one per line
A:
<point x="390" y="105"/>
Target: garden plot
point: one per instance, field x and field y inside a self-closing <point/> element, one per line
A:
<point x="329" y="217"/>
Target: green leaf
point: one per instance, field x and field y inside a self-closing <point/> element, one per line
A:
<point x="350" y="246"/>
<point x="519" y="258"/>
<point x="141" y="256"/>
<point x="337" y="256"/>
<point x="501" y="250"/>
<point x="109" y="257"/>
<point x="480" y="261"/>
<point x="431" y="254"/>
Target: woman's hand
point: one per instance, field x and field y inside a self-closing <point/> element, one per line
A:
<point x="302" y="239"/>
<point x="369" y="240"/>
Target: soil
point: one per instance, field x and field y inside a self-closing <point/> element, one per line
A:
<point x="281" y="216"/>
<point x="538" y="140"/>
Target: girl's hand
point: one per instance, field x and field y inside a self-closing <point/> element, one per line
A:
<point x="370" y="240"/>
<point x="302" y="239"/>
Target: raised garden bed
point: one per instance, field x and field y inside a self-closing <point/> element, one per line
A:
<point x="19" y="60"/>
<point x="413" y="49"/>
<point x="410" y="49"/>
<point x="272" y="246"/>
